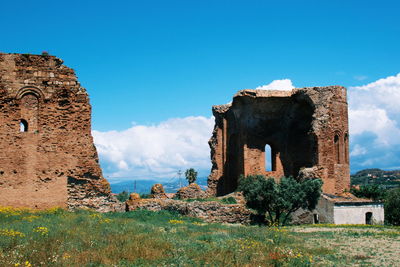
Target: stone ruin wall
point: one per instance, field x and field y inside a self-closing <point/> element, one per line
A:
<point x="307" y="130"/>
<point x="52" y="162"/>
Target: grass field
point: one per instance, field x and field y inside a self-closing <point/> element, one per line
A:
<point x="143" y="238"/>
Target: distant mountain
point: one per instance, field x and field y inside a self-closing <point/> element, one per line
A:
<point x="144" y="186"/>
<point x="387" y="179"/>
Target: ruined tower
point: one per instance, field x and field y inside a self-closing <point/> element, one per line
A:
<point x="305" y="129"/>
<point x="47" y="156"/>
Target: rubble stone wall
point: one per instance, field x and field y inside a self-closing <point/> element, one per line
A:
<point x="47" y="155"/>
<point x="209" y="211"/>
<point x="306" y="128"/>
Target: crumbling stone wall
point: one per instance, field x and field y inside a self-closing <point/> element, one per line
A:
<point x="47" y="156"/>
<point x="306" y="128"/>
<point x="209" y="211"/>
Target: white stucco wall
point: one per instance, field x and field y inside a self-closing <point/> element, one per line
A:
<point x="348" y="214"/>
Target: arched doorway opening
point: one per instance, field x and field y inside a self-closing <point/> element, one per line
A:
<point x="368" y="218"/>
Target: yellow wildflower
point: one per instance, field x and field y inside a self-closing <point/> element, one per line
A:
<point x="95" y="216"/>
<point x="26" y="264"/>
<point x="105" y="221"/>
<point x="10" y="232"/>
<point x="175" y="221"/>
<point x="66" y="256"/>
<point x="42" y="230"/>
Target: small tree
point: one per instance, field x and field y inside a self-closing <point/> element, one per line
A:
<point x="191" y="175"/>
<point x="279" y="201"/>
<point x="392" y="210"/>
<point x="123" y="196"/>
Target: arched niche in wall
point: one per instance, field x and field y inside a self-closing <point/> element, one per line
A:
<point x="29" y="102"/>
<point x="346" y="147"/>
<point x="337" y="150"/>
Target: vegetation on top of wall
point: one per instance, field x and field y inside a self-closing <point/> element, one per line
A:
<point x="123" y="196"/>
<point x="225" y="200"/>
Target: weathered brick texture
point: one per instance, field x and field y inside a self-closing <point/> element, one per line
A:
<point x="306" y="128"/>
<point x="47" y="156"/>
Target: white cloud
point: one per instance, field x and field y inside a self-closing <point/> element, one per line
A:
<point x="375" y="108"/>
<point x="382" y="93"/>
<point x="156" y="151"/>
<point x="283" y="85"/>
<point x="374" y="119"/>
<point x="358" y="150"/>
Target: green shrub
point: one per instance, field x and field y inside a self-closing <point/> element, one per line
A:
<point x="392" y="210"/>
<point x="123" y="196"/>
<point x="372" y="191"/>
<point x="229" y="200"/>
<point x="280" y="200"/>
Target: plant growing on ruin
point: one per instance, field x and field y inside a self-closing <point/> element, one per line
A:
<point x="123" y="196"/>
<point x="279" y="200"/>
<point x="191" y="175"/>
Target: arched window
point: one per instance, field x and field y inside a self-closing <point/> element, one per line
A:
<point x="346" y="148"/>
<point x="269" y="160"/>
<point x="23" y="126"/>
<point x="337" y="148"/>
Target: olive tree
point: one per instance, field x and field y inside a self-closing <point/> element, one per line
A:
<point x="279" y="200"/>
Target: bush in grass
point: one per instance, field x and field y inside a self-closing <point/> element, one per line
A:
<point x="279" y="200"/>
<point x="392" y="210"/>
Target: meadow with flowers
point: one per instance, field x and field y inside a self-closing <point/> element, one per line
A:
<point x="57" y="237"/>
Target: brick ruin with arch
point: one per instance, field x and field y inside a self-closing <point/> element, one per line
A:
<point x="47" y="155"/>
<point x="306" y="130"/>
<point x="306" y="135"/>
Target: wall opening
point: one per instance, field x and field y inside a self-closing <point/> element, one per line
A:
<point x="368" y="218"/>
<point x="316" y="218"/>
<point x="337" y="148"/>
<point x="269" y="159"/>
<point x="23" y="126"/>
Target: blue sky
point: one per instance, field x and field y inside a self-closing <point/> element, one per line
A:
<point x="148" y="63"/>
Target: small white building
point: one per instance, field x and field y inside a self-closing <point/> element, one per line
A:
<point x="347" y="209"/>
